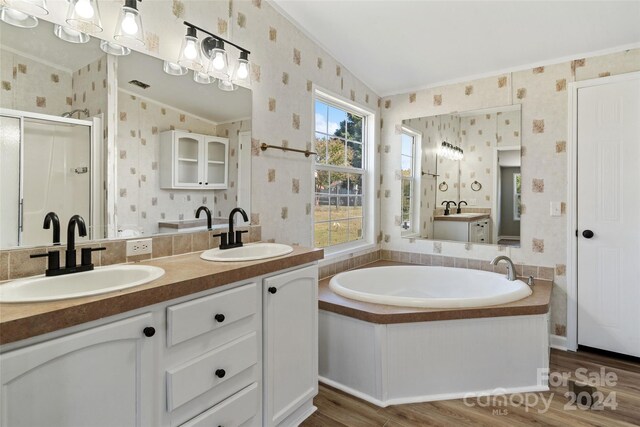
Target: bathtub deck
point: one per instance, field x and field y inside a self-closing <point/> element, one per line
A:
<point x="536" y="303"/>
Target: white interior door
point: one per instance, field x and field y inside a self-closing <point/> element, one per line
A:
<point x="609" y="207"/>
<point x="244" y="171"/>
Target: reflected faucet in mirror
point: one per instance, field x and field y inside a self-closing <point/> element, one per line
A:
<point x="206" y="211"/>
<point x="459" y="210"/>
<point x="447" y="211"/>
<point x="52" y="217"/>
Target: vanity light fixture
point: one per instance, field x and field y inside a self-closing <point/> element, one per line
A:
<point x="174" y="69"/>
<point x="451" y="152"/>
<point x="30" y="7"/>
<point x="16" y="18"/>
<point x="84" y="15"/>
<point x="212" y="50"/>
<point x="129" y="26"/>
<point x="114" y="48"/>
<point x="190" y="51"/>
<point x="70" y="35"/>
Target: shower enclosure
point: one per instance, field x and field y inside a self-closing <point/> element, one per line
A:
<point x="47" y="163"/>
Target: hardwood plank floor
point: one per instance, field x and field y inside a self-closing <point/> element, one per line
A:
<point x="338" y="409"/>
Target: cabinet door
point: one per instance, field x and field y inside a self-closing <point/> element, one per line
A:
<point x="188" y="162"/>
<point x="290" y="342"/>
<point x="98" y="377"/>
<point x="216" y="165"/>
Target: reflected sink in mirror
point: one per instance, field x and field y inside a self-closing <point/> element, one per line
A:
<point x="76" y="285"/>
<point x="250" y="252"/>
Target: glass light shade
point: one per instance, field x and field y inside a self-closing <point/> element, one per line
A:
<point x="226" y="85"/>
<point x="114" y="48"/>
<point x="190" y="56"/>
<point x="129" y="27"/>
<point x="30" y="7"/>
<point x="70" y="35"/>
<point x="84" y="15"/>
<point x="174" y="69"/>
<point x="17" y="19"/>
<point x="202" y="78"/>
<point x="218" y="62"/>
<point x="242" y="73"/>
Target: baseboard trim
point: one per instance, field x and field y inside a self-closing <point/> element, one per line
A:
<point x="558" y="342"/>
<point x="432" y="397"/>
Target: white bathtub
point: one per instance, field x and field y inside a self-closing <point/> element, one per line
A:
<point x="428" y="287"/>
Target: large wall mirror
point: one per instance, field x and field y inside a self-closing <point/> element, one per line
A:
<point x="131" y="143"/>
<point x="461" y="177"/>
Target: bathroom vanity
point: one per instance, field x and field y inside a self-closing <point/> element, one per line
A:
<point x="232" y="344"/>
<point x="465" y="227"/>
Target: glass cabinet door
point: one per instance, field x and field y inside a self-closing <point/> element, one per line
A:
<point x="187" y="162"/>
<point x="216" y="167"/>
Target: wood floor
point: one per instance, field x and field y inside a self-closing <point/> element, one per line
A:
<point x="336" y="408"/>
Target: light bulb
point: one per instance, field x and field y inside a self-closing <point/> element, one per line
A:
<point x="16" y="14"/>
<point x="243" y="70"/>
<point x="129" y="24"/>
<point x="218" y="61"/>
<point x="84" y="9"/>
<point x="191" y="49"/>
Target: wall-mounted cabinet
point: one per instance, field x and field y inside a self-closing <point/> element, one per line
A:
<point x="193" y="161"/>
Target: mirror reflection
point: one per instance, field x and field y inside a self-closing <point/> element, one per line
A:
<point x="117" y="139"/>
<point x="461" y="177"/>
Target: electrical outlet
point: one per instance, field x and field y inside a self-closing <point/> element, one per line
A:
<point x="139" y="247"/>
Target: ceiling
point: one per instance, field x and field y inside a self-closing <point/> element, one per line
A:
<point x="396" y="46"/>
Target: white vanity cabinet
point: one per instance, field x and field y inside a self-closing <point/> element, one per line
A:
<point x="244" y="354"/>
<point x="98" y="377"/>
<point x="193" y="161"/>
<point x="463" y="231"/>
<point x="290" y="346"/>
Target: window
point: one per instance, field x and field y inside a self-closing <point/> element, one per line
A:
<point x="340" y="174"/>
<point x="516" y="196"/>
<point x="407" y="162"/>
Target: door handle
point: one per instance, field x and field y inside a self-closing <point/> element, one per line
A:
<point x="587" y="234"/>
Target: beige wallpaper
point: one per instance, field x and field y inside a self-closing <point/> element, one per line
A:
<point x="30" y="85"/>
<point x="542" y="92"/>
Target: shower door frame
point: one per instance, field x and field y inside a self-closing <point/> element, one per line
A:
<point x="95" y="157"/>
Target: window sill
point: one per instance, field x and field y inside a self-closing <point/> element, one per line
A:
<point x="333" y="253"/>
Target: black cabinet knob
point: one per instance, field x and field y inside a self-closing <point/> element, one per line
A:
<point x="587" y="234"/>
<point x="220" y="373"/>
<point x="149" y="331"/>
<point x="219" y="318"/>
<point x="200" y="182"/>
<point x="272" y="290"/>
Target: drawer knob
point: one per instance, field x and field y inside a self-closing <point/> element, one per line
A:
<point x="149" y="331"/>
<point x="220" y="373"/>
<point x="219" y="317"/>
<point x="272" y="290"/>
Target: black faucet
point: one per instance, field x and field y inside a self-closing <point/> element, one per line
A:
<point x="48" y="219"/>
<point x="459" y="210"/>
<point x="208" y="212"/>
<point x="53" y="266"/>
<point x="230" y="240"/>
<point x="448" y="203"/>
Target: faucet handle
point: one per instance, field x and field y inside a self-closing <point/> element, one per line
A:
<point x="239" y="236"/>
<point x="223" y="239"/>
<point x="530" y="281"/>
<point x="53" y="260"/>
<point x="85" y="254"/>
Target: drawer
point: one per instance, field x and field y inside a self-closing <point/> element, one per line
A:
<point x="210" y="370"/>
<point x="202" y="315"/>
<point x="234" y="411"/>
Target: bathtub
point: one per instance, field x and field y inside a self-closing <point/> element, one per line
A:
<point x="428" y="287"/>
<point x="454" y="336"/>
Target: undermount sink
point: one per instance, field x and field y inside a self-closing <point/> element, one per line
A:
<point x="76" y="285"/>
<point x="250" y="252"/>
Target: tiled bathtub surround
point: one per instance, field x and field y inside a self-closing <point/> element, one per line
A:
<point x="16" y="264"/>
<point x="357" y="260"/>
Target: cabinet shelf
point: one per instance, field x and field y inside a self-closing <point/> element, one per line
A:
<point x="188" y="160"/>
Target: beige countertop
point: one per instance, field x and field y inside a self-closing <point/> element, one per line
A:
<point x="536" y="303"/>
<point x="462" y="218"/>
<point x="184" y="275"/>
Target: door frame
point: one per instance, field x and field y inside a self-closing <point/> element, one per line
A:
<point x="572" y="199"/>
<point x="496" y="211"/>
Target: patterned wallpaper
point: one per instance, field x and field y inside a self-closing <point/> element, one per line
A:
<point x="542" y="92"/>
<point x="89" y="85"/>
<point x="141" y="204"/>
<point x="30" y="85"/>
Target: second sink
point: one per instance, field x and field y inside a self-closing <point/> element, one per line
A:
<point x="250" y="252"/>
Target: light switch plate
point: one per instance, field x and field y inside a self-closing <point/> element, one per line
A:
<point x="556" y="209"/>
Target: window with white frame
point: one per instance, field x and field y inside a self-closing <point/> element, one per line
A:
<point x="341" y="141"/>
<point x="407" y="166"/>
